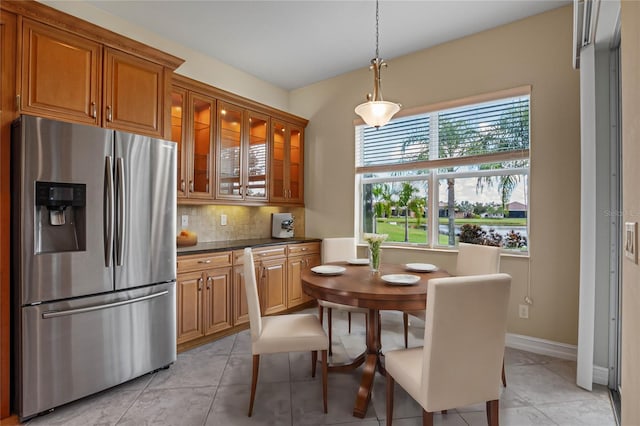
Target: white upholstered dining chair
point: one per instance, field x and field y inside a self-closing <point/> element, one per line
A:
<point x="335" y="250"/>
<point x="464" y="336"/>
<point x="281" y="333"/>
<point x="473" y="259"/>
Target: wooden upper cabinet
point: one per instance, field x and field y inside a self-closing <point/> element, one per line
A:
<point x="257" y="156"/>
<point x="250" y="154"/>
<point x="133" y="94"/>
<point x="229" y="146"/>
<point x="193" y="127"/>
<point x="287" y="159"/>
<point x="178" y="135"/>
<point x="61" y="74"/>
<point x="242" y="147"/>
<point x="80" y="77"/>
<point x="201" y="135"/>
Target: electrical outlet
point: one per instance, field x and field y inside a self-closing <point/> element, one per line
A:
<point x="185" y="220"/>
<point x="223" y="219"/>
<point x="523" y="311"/>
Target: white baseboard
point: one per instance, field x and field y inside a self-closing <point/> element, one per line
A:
<point x="554" y="349"/>
<point x="600" y="375"/>
<point x="541" y="346"/>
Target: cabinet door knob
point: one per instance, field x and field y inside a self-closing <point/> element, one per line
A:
<point x="204" y="261"/>
<point x="199" y="284"/>
<point x="94" y="113"/>
<point x="109" y="114"/>
<point x="209" y="279"/>
<point x="191" y="188"/>
<point x="183" y="185"/>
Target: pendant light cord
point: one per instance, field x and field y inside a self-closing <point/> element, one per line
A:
<point x="377" y="24"/>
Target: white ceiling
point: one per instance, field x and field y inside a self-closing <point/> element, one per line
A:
<point x="298" y="42"/>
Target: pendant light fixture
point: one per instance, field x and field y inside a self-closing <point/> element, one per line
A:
<point x="377" y="112"/>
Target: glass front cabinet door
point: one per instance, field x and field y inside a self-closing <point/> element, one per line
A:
<point x="257" y="154"/>
<point x="193" y="130"/>
<point x="286" y="163"/>
<point x="201" y="180"/>
<point x="178" y="130"/>
<point x="229" y="155"/>
<point x="242" y="154"/>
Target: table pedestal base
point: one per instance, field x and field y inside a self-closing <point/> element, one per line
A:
<point x="371" y="364"/>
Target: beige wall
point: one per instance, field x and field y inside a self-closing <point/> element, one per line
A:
<point x="630" y="48"/>
<point x="535" y="51"/>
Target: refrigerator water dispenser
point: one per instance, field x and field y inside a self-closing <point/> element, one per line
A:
<point x="60" y="217"/>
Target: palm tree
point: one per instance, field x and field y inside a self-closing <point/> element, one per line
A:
<point x="404" y="197"/>
<point x="457" y="139"/>
<point x="381" y="193"/>
<point x="511" y="132"/>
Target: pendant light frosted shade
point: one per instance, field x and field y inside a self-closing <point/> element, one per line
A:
<point x="377" y="113"/>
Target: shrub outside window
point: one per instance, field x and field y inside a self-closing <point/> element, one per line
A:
<point x="448" y="175"/>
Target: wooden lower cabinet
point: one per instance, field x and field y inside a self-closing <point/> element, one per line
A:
<point x="301" y="257"/>
<point x="271" y="276"/>
<point x="211" y="294"/>
<point x="189" y="299"/>
<point x="217" y="300"/>
<point x="272" y="285"/>
<point x="203" y="295"/>
<point x="240" y="308"/>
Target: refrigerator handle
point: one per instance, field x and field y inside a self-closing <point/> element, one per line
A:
<point x="107" y="211"/>
<point x="121" y="210"/>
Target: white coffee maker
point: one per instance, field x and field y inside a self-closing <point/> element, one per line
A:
<point x="282" y="225"/>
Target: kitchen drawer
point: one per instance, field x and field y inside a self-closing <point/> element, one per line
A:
<point x="199" y="262"/>
<point x="303" y="249"/>
<point x="268" y="252"/>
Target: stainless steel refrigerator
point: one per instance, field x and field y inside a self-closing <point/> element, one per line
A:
<point x="93" y="260"/>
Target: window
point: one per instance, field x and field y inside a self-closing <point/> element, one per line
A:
<point x="453" y="174"/>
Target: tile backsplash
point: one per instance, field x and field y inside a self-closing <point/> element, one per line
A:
<point x="242" y="222"/>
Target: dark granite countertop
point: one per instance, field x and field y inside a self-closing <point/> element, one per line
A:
<point x="213" y="246"/>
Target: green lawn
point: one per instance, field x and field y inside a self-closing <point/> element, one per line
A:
<point x="394" y="227"/>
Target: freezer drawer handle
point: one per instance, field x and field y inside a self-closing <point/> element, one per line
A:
<point x="55" y="314"/>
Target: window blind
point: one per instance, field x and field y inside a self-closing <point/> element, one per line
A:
<point x="401" y="141"/>
<point x="487" y="128"/>
<point x="480" y="130"/>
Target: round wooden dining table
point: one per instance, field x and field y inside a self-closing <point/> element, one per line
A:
<point x="359" y="286"/>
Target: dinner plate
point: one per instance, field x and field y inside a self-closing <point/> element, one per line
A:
<point x="364" y="261"/>
<point x="421" y="267"/>
<point x="328" y="269"/>
<point x="401" y="279"/>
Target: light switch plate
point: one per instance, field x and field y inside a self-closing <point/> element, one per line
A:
<point x="185" y="220"/>
<point x="223" y="219"/>
<point x="631" y="241"/>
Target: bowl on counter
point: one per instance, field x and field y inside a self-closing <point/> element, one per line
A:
<point x="186" y="239"/>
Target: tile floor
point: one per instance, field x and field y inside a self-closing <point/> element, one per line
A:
<point x="210" y="385"/>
